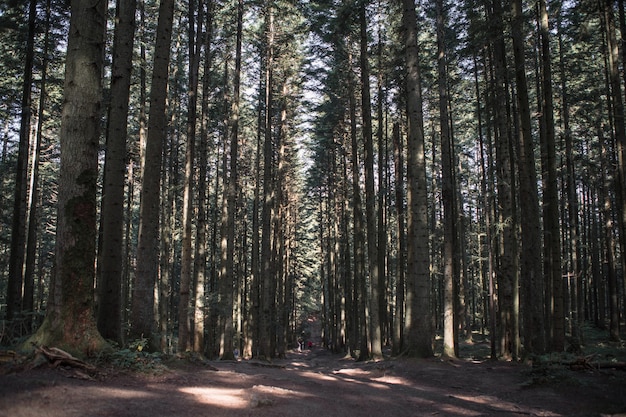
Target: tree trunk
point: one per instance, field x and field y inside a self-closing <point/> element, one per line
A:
<point x="230" y="206"/>
<point x="398" y="336"/>
<point x="619" y="129"/>
<point x="418" y="327"/>
<point x="532" y="284"/>
<point x="187" y="271"/>
<point x="508" y="274"/>
<point x="32" y="244"/>
<point x="110" y="283"/>
<point x="70" y="323"/>
<point x="201" y="227"/>
<point x="450" y="325"/>
<point x="18" y="226"/>
<point x="370" y="196"/>
<point x="551" y="225"/>
<point x="142" y="307"/>
<point x="268" y="212"/>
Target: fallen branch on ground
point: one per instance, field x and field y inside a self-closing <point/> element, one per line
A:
<point x="56" y="357"/>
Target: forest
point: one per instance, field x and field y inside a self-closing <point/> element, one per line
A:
<point x="238" y="178"/>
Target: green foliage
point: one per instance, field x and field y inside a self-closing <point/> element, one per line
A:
<point x="137" y="358"/>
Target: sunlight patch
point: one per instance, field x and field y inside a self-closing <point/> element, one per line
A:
<point x="219" y="397"/>
<point x="499" y="405"/>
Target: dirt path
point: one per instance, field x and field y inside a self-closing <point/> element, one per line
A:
<point x="317" y="383"/>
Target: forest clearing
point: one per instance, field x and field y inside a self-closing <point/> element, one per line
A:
<point x="318" y="382"/>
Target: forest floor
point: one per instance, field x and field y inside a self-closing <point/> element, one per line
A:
<point x="316" y="382"/>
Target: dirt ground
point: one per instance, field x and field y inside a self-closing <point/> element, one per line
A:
<point x="316" y="383"/>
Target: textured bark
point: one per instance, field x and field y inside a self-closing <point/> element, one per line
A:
<point x="531" y="273"/>
<point x="111" y="263"/>
<point x="229" y="208"/>
<point x="418" y="324"/>
<point x="619" y="129"/>
<point x="186" y="275"/>
<point x="551" y="221"/>
<point x="398" y="320"/>
<point x="508" y="274"/>
<point x="18" y="225"/>
<point x="69" y="323"/>
<point x="268" y="210"/>
<point x="375" y="337"/>
<point x="142" y="306"/>
<point x="450" y="320"/>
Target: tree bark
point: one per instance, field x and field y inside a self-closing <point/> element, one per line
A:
<point x="450" y="325"/>
<point x="551" y="221"/>
<point x="375" y="337"/>
<point x="110" y="283"/>
<point x="532" y="284"/>
<point x="142" y="306"/>
<point x="69" y="322"/>
<point x="18" y="226"/>
<point x="418" y="327"/>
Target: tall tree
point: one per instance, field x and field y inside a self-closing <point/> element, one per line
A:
<point x="508" y="273"/>
<point x="450" y="325"/>
<point x="418" y="327"/>
<point x="195" y="48"/>
<point x="69" y="322"/>
<point x="110" y="282"/>
<point x="370" y="196"/>
<point x="142" y="306"/>
<point x="619" y="129"/>
<point x="18" y="227"/>
<point x="268" y="209"/>
<point x="532" y="274"/>
<point x="229" y="205"/>
<point x="551" y="221"/>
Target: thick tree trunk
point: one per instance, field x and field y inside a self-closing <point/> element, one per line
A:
<point x="70" y="323"/>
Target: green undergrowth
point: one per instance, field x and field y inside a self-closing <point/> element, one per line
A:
<point x="136" y="358"/>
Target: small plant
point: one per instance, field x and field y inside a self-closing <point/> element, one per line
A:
<point x="137" y="358"/>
